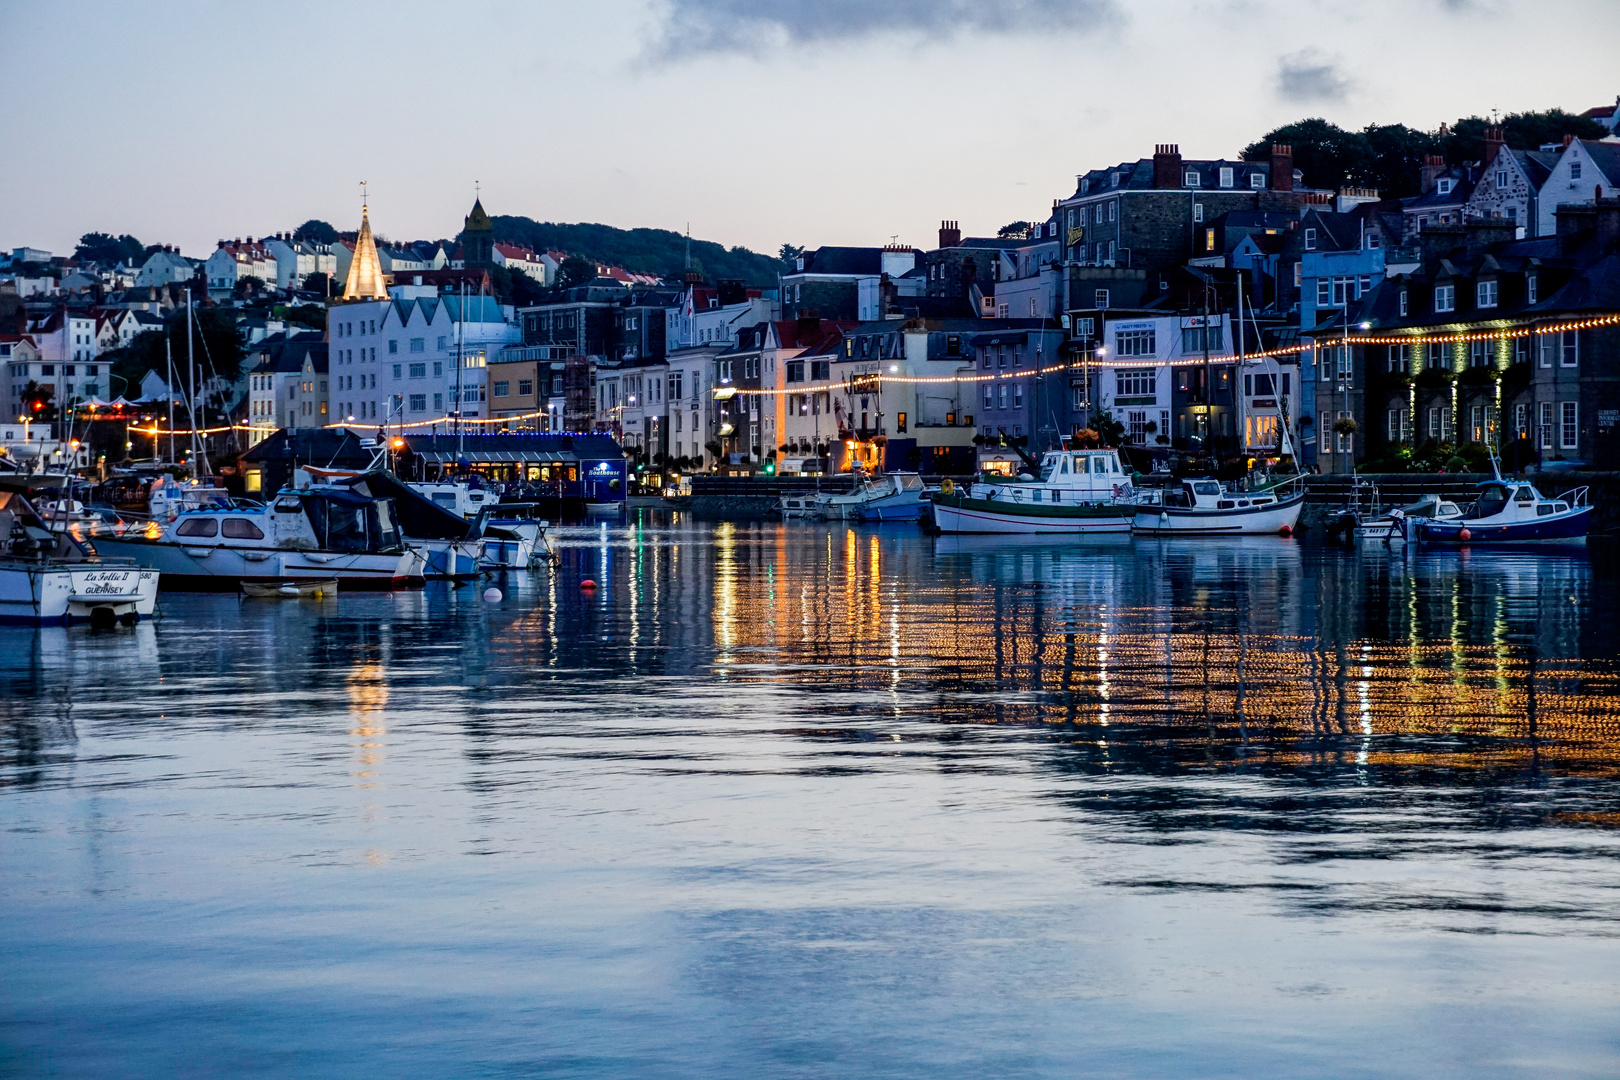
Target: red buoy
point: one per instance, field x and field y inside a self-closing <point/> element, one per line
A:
<point x="1286" y="530"/>
<point x="1464" y="536"/>
<point x="587" y="584"/>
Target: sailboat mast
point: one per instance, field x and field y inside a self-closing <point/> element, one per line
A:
<point x="191" y="379"/>
<point x="168" y="352"/>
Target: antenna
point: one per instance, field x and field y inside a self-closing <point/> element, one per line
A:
<point x="364" y="195"/>
<point x="477" y="191"/>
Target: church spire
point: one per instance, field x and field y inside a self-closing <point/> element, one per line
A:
<point x="365" y="280"/>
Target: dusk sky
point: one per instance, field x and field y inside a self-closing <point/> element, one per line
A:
<point x="843" y="122"/>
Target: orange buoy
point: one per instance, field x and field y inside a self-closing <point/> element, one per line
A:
<point x="1286" y="530"/>
<point x="1465" y="536"/>
<point x="587" y="584"/>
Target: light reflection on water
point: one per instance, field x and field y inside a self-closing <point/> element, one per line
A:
<point x="823" y="801"/>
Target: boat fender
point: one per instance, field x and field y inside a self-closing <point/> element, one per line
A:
<point x="947" y="487"/>
<point x="1286" y="531"/>
<point x="1465" y="536"/>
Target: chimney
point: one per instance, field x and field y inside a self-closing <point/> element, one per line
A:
<point x="809" y="325"/>
<point x="1167" y="166"/>
<point x="1282" y="167"/>
<point x="950" y="234"/>
<point x="1567" y="140"/>
<point x="1433" y="166"/>
<point x="1608" y="224"/>
<point x="1493" y="143"/>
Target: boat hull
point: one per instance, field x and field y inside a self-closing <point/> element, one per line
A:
<point x="33" y="595"/>
<point x="449" y="560"/>
<point x="963" y="515"/>
<point x="1271" y="518"/>
<point x="1569" y="527"/>
<point x="220" y="568"/>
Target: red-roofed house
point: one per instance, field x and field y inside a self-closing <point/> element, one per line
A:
<point x="234" y="260"/>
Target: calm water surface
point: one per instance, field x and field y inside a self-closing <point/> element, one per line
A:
<point x="822" y="802"/>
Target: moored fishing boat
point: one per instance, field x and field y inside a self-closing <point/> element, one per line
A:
<point x="1511" y="512"/>
<point x="297" y="536"/>
<point x="1077" y="492"/>
<point x="46" y="578"/>
<point x="1206" y="507"/>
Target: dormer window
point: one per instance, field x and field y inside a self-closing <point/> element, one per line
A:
<point x="1310" y="239"/>
<point x="1445" y="185"/>
<point x="1257" y="180"/>
<point x="1485" y="294"/>
<point x="1445" y="298"/>
<point x="1085" y="185"/>
<point x="1113" y="179"/>
<point x="1530" y="288"/>
<point x="1191" y="178"/>
<point x="1404" y="308"/>
<point x="1226" y="176"/>
<point x="1373" y="241"/>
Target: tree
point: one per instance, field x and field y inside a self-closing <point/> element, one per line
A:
<point x="1522" y="131"/>
<point x="310" y="315"/>
<point x="105" y="248"/>
<point x="789" y="254"/>
<point x="37" y="403"/>
<point x="575" y="270"/>
<point x="319" y="282"/>
<point x="1014" y="230"/>
<point x="1109" y="430"/>
<point x="316" y="231"/>
<point x="1328" y="156"/>
<point x="216" y="344"/>
<point x="1396" y="165"/>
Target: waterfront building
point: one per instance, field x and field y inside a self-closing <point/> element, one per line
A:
<point x="287" y="384"/>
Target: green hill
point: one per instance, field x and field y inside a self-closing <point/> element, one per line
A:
<point x="649" y="251"/>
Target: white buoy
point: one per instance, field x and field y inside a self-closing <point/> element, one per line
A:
<point x="492" y="594"/>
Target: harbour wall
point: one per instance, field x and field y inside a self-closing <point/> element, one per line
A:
<point x="740" y="498"/>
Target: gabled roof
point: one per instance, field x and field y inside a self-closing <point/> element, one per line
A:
<point x="1606" y="156"/>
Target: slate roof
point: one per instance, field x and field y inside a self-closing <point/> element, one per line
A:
<point x="279" y="353"/>
<point x="1138" y="175"/>
<point x="853" y="261"/>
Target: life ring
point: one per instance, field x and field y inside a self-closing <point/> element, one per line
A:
<point x="947" y="487"/>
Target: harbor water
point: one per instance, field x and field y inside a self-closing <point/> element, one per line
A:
<point x="816" y="801"/>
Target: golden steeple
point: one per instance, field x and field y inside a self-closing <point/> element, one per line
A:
<point x="365" y="280"/>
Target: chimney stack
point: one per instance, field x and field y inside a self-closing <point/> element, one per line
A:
<point x="1493" y="144"/>
<point x="1167" y="166"/>
<point x="950" y="234"/>
<point x="1282" y="167"/>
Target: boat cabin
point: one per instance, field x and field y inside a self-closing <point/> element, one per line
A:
<point x="1512" y="500"/>
<point x="1210" y="495"/>
<point x="327" y="520"/>
<point x="1067" y="476"/>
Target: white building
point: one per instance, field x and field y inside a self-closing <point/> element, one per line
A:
<point x="1582" y="168"/>
<point x="521" y="260"/>
<point x="237" y="259"/>
<point x="287" y="386"/>
<point x="416" y="357"/>
<point x="297" y="259"/>
<point x="165" y="267"/>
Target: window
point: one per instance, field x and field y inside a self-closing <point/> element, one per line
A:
<point x="1445" y="185"/>
<point x="438" y="403"/>
<point x="1485" y="294"/>
<point x="1226" y="176"/>
<point x="1374" y="241"/>
<point x="417" y="344"/>
<point x="1113" y="205"/>
<point x="396" y="371"/>
<point x="1403" y="304"/>
<point x="1476" y="424"/>
<point x="418" y="371"/>
<point x="242" y="529"/>
<point x="1195" y="338"/>
<point x="1136" y="382"/>
<point x="1521" y="417"/>
<point x="1018" y="395"/>
<point x="1136" y="342"/>
<point x="393" y="346"/>
<point x="1530" y="288"/>
<point x="1310" y="239"/>
<point x="1574" y="170"/>
<point x="795" y="371"/>
<point x="418" y="403"/>
<point x="1567" y="427"/>
<point x="1257" y="180"/>
<point x="1209" y="239"/>
<point x="198" y="527"/>
<point x="1545" y="434"/>
<point x="1260" y="385"/>
<point x="1324" y="292"/>
<point x="526" y="387"/>
<point x="1110" y="252"/>
<point x="1001" y="396"/>
<point x="1400" y="358"/>
<point x="1198" y="211"/>
<point x="1191" y="178"/>
<point x="1479" y="353"/>
<point x="1298" y="267"/>
<point x="1445" y="298"/>
<point x="502" y="388"/>
<point x="1568" y="344"/>
<point x="1100" y="298"/>
<point x="1434" y="422"/>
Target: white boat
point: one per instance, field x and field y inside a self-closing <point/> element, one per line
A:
<point x="511" y="543"/>
<point x="298" y="536"/>
<point x="452" y="547"/>
<point x="1078" y="493"/>
<point x="170" y="497"/>
<point x="1391" y="526"/>
<point x="886" y="497"/>
<point x="44" y="578"/>
<point x="804" y="505"/>
<point x="457" y="496"/>
<point x="1205" y="507"/>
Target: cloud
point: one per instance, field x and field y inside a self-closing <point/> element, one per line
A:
<point x="748" y="26"/>
<point x="1308" y="76"/>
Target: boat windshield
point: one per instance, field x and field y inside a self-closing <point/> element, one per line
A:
<point x="1493" y="499"/>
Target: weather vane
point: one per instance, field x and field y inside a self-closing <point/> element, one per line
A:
<point x="364" y="195"/>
